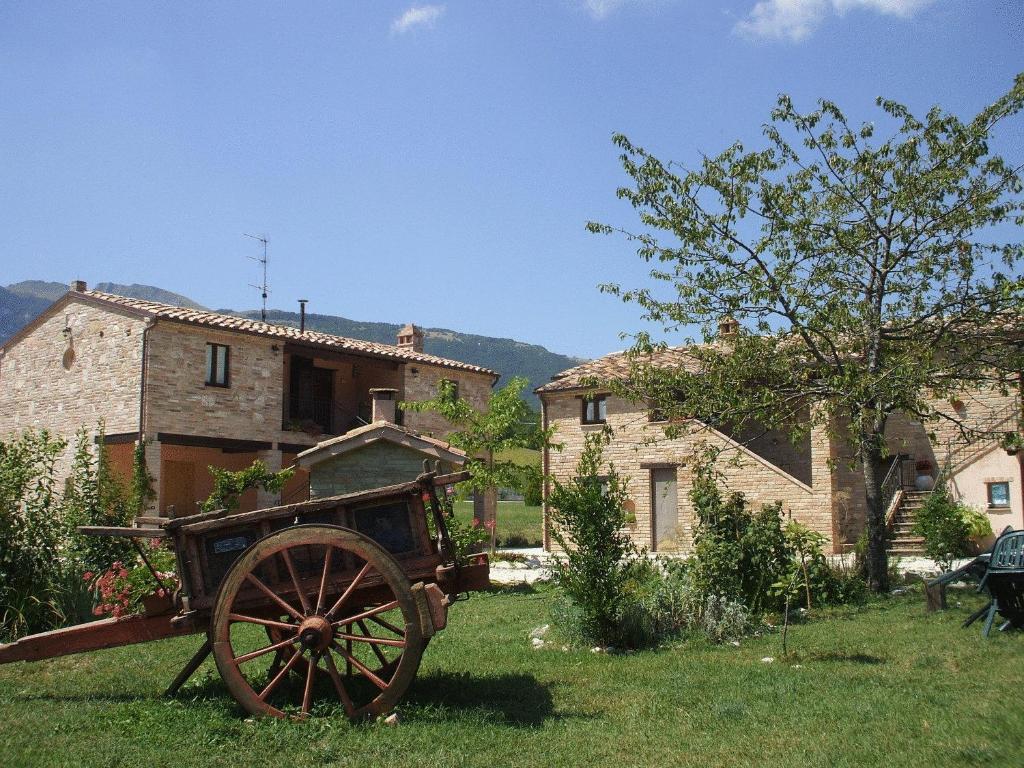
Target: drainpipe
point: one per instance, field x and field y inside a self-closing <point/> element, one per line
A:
<point x="544" y="468"/>
<point x="142" y="382"/>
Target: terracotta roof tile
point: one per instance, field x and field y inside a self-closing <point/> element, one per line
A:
<point x="285" y="333"/>
<point x="615" y="367"/>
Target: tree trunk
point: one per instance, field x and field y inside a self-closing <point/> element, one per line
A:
<point x="877" y="555"/>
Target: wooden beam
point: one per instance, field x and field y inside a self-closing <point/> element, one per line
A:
<point x="93" y="636"/>
<point x="228" y="444"/>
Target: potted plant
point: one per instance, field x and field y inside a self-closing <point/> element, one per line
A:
<point x="924" y="481"/>
<point x="1012" y="443"/>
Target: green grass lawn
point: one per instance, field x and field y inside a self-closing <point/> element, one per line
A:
<point x="518" y="524"/>
<point x="885" y="685"/>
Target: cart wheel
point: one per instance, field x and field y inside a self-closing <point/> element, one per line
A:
<point x="337" y="608"/>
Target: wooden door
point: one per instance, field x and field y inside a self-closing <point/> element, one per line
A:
<point x="664" y="511"/>
<point x="178" y="480"/>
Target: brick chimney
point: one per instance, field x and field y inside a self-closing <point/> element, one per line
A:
<point x="410" y="337"/>
<point x="728" y="328"/>
<point x="78" y="286"/>
<point x="383" y="404"/>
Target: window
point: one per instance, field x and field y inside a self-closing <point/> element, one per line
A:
<point x="595" y="410"/>
<point x="217" y="365"/>
<point x="998" y="494"/>
<point x="655" y="415"/>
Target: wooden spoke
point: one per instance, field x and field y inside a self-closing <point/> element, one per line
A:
<point x="323" y="580"/>
<point x="371" y="639"/>
<point x="269" y="593"/>
<point x="332" y="672"/>
<point x="279" y="676"/>
<point x="379" y="640"/>
<point x="351" y="588"/>
<point x="348" y="647"/>
<point x="303" y="641"/>
<point x="307" y="695"/>
<point x="256" y="654"/>
<point x="368" y="613"/>
<point x="265" y="622"/>
<point x="295" y="580"/>
<point x="367" y="672"/>
<point x="387" y="625"/>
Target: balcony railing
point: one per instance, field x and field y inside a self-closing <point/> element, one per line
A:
<point x="310" y="410"/>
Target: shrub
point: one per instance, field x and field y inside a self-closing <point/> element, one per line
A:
<point x="31" y="535"/>
<point x="588" y="515"/>
<point x="737" y="554"/>
<point x="946" y="527"/>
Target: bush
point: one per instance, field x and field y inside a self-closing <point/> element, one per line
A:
<point x="948" y="526"/>
<point x="32" y="532"/>
<point x="738" y="554"/>
<point x="588" y="515"/>
<point x="42" y="555"/>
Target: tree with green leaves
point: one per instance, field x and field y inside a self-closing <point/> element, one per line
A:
<point x="868" y="277"/>
<point x="490" y="436"/>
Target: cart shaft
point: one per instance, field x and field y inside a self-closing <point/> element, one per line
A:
<point x="108" y="633"/>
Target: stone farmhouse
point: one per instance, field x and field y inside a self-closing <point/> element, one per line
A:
<point x="814" y="479"/>
<point x="210" y="389"/>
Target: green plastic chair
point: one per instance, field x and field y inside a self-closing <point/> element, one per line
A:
<point x="1004" y="582"/>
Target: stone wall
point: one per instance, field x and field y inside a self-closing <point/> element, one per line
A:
<point x="638" y="444"/>
<point x="178" y="400"/>
<point x="371" y="466"/>
<point x="423" y="385"/>
<point x="61" y="381"/>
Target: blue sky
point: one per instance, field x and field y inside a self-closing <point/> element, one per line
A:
<point x="426" y="162"/>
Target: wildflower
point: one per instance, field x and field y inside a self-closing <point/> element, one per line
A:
<point x="87" y="576"/>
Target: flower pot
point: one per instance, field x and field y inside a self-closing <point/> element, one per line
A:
<point x="924" y="482"/>
<point x="154" y="605"/>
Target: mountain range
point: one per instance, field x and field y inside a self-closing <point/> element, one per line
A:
<point x="21" y="302"/>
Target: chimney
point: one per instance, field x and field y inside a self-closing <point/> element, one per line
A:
<point x="728" y="328"/>
<point x="302" y="315"/>
<point x="383" y="404"/>
<point x="410" y="337"/>
<point x="78" y="286"/>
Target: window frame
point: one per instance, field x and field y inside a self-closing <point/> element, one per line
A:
<point x="988" y="494"/>
<point x="599" y="403"/>
<point x="212" y="371"/>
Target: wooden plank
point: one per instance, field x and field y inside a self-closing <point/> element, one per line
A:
<point x="124" y="533"/>
<point x="213" y="520"/>
<point x="224" y="443"/>
<point x="108" y="633"/>
<point x="452" y="479"/>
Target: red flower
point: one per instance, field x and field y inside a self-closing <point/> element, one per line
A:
<point x="87" y="576"/>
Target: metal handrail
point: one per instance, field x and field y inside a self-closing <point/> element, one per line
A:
<point x="892" y="484"/>
<point x="991" y="430"/>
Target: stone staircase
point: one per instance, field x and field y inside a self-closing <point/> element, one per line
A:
<point x="903" y="542"/>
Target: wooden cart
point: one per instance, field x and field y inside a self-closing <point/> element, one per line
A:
<point x="323" y="601"/>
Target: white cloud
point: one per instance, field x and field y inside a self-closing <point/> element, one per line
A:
<point x="600" y="9"/>
<point x="796" y="19"/>
<point x="417" y="16"/>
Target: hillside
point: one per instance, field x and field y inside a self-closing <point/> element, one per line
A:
<point x="21" y="302"/>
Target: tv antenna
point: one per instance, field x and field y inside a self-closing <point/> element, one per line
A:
<point x="263" y="288"/>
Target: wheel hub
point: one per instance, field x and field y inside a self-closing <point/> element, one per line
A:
<point x="316" y="633"/>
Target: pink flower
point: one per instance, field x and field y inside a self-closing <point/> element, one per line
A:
<point x="97" y="611"/>
<point x="87" y="576"/>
